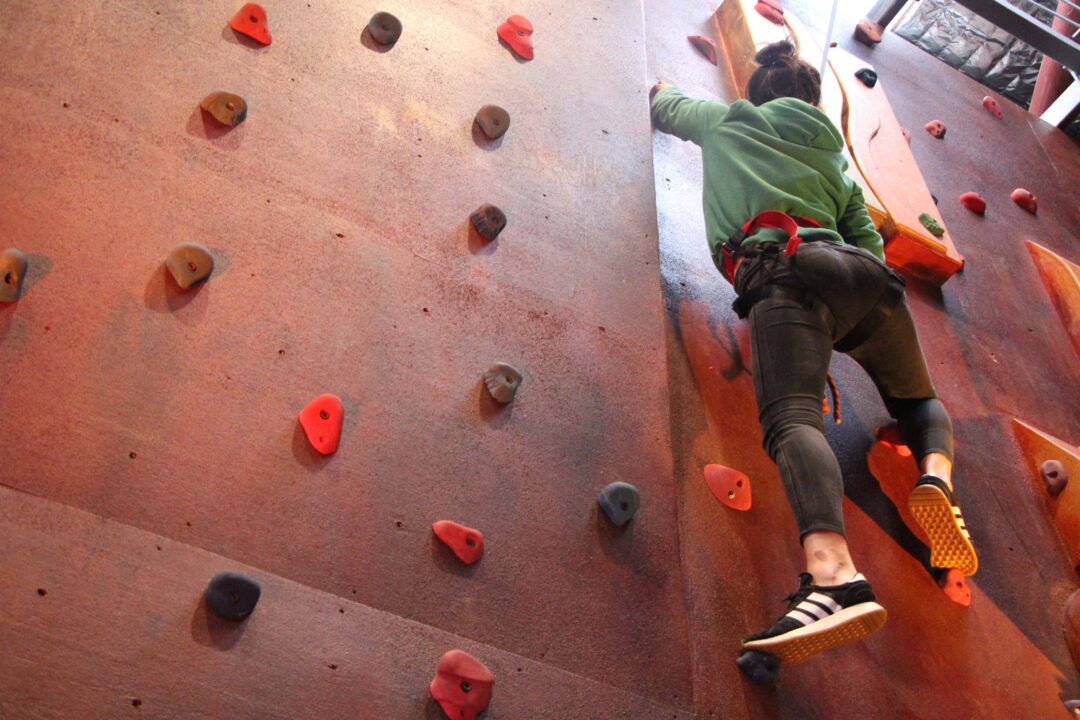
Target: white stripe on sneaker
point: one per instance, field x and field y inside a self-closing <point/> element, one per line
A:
<point x="825" y="600"/>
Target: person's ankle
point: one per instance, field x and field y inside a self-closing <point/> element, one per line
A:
<point x="827" y="577"/>
<point x="946" y="480"/>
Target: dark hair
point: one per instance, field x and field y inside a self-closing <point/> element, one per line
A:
<point x="782" y="73"/>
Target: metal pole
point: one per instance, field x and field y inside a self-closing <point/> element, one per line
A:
<point x="828" y="39"/>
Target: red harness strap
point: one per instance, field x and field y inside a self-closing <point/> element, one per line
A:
<point x="767" y="219"/>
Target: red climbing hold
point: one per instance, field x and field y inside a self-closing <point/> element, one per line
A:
<point x="704" y="46"/>
<point x="771" y="11"/>
<point x="729" y="486"/>
<point x="1025" y="199"/>
<point x="321" y="420"/>
<point x="467" y="544"/>
<point x="517" y="33"/>
<point x="889" y="436"/>
<point x="935" y="128"/>
<point x="974" y="202"/>
<point x="462" y="685"/>
<point x="992" y="107"/>
<point x="956" y="587"/>
<point x="251" y="21"/>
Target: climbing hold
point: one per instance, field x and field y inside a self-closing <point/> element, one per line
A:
<point x="730" y="487"/>
<point x="226" y="108"/>
<point x="761" y="667"/>
<point x="889" y="436"/>
<point x="517" y="33"/>
<point x="489" y="221"/>
<point x="619" y="501"/>
<point x="231" y="595"/>
<point x="907" y="135"/>
<point x="502" y="381"/>
<point x="1025" y="199"/>
<point x="705" y="46"/>
<point x="931" y="224"/>
<point x="771" y="11"/>
<point x="992" y="107"/>
<point x="1073" y="706"/>
<point x="251" y="21"/>
<point x="868" y="32"/>
<point x="467" y="544"/>
<point x="322" y="420"/>
<point x="384" y="28"/>
<point x="493" y="120"/>
<point x="190" y="264"/>
<point x="13" y="265"/>
<point x="1055" y="476"/>
<point x="867" y="77"/>
<point x="974" y="202"/>
<point x="955" y="587"/>
<point x="462" y="685"/>
<point x="934" y="198"/>
<point x="935" y="128"/>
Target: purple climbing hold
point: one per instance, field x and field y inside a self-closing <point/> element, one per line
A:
<point x="489" y="221"/>
<point x="231" y="595"/>
<point x="867" y="77"/>
<point x="1055" y="476"/>
<point x="493" y="120"/>
<point x="384" y="28"/>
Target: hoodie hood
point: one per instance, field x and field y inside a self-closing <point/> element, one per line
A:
<point x="791" y="120"/>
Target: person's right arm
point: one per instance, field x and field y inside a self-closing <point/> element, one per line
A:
<point x="683" y="117"/>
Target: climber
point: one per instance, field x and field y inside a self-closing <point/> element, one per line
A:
<point x="791" y="232"/>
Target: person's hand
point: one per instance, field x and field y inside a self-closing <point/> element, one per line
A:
<point x="660" y="85"/>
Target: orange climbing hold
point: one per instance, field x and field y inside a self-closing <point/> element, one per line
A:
<point x="889" y="436"/>
<point x="462" y="685"/>
<point x="730" y="487"/>
<point x="322" y="420"/>
<point x="467" y="544"/>
<point x="771" y="11"/>
<point x="251" y="21"/>
<point x="955" y="586"/>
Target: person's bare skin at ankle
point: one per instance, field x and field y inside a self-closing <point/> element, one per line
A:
<point x="939" y="466"/>
<point x="827" y="557"/>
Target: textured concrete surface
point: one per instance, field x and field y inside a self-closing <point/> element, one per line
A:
<point x="133" y="417"/>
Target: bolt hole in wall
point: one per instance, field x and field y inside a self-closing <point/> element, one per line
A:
<point x="470" y="542"/>
<point x="8" y="280"/>
<point x="465" y="687"/>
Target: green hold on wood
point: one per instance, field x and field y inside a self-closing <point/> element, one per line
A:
<point x="931" y="224"/>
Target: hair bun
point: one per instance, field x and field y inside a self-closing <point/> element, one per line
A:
<point x="777" y="53"/>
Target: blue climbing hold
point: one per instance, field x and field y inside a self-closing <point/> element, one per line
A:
<point x="231" y="595"/>
<point x="620" y="501"/>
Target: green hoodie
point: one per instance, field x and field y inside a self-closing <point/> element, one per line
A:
<point x="784" y="155"/>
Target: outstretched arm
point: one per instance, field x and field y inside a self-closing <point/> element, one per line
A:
<point x="856" y="227"/>
<point x="683" y="117"/>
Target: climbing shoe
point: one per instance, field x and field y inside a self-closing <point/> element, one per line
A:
<point x="819" y="618"/>
<point x="950" y="544"/>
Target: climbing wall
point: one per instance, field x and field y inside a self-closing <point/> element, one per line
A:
<point x="149" y="437"/>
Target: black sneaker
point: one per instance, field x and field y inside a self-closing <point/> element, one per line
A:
<point x="950" y="544"/>
<point x="819" y="618"/>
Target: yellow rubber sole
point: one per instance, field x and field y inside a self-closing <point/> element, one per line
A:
<point x="950" y="546"/>
<point x="846" y="626"/>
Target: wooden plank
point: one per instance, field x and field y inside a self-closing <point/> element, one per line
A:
<point x="1039" y="446"/>
<point x="1061" y="278"/>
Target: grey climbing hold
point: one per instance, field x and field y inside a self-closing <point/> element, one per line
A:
<point x="760" y="667"/>
<point x="1055" y="476"/>
<point x="867" y="77"/>
<point x="502" y="381"/>
<point x="13" y="265"/>
<point x="226" y="108"/>
<point x="1073" y="706"/>
<point x="231" y="595"/>
<point x="489" y="221"/>
<point x="190" y="264"/>
<point x="493" y="120"/>
<point x="619" y="501"/>
<point x="384" y="28"/>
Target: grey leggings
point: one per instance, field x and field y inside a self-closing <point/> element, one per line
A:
<point x="792" y="342"/>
